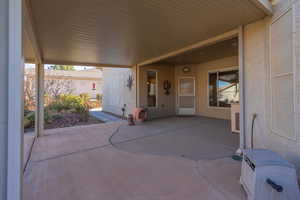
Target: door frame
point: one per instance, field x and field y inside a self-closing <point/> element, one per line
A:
<point x="186" y="110"/>
<point x="156" y="88"/>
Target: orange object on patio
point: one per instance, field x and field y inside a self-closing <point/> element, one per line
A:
<point x="140" y="114"/>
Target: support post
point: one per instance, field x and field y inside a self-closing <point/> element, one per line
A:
<point x="39" y="114"/>
<point x="242" y="88"/>
<point x="11" y="103"/>
<point x="137" y="82"/>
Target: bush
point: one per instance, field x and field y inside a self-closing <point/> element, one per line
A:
<point x="60" y="107"/>
<point x="99" y="97"/>
<point x="83" y="111"/>
<point x="66" y="102"/>
<point x="29" y="119"/>
<point x="47" y="116"/>
<point x="85" y="97"/>
<point x="70" y="103"/>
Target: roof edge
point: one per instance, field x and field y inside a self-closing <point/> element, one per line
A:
<point x="264" y="5"/>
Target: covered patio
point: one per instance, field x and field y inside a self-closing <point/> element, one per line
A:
<point x="171" y="158"/>
<point x="99" y="161"/>
<point x="129" y="34"/>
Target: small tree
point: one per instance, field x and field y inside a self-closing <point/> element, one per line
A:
<point x="56" y="87"/>
<point x="29" y="93"/>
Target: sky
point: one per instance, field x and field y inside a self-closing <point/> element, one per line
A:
<point x="27" y="65"/>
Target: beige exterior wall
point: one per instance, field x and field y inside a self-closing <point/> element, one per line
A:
<point x="274" y="98"/>
<point x="115" y="91"/>
<point x="165" y="103"/>
<point x="200" y="72"/>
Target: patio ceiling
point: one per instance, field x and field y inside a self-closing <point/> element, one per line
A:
<point x="127" y="32"/>
<point x="227" y="48"/>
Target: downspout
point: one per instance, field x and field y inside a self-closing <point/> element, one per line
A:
<point x="242" y="89"/>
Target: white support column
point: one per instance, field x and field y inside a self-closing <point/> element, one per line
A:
<point x="11" y="103"/>
<point x="3" y="100"/>
<point x="137" y="82"/>
<point x="242" y="88"/>
<point x="39" y="86"/>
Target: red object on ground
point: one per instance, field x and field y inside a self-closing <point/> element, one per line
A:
<point x="139" y="114"/>
<point x="130" y="120"/>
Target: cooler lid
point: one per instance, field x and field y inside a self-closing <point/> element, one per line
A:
<point x="264" y="157"/>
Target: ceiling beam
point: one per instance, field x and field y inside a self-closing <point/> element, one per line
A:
<point x="55" y="62"/>
<point x="30" y="32"/>
<point x="204" y="43"/>
<point x="264" y="5"/>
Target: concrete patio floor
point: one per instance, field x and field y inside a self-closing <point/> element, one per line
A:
<point x="196" y="138"/>
<point x="79" y="163"/>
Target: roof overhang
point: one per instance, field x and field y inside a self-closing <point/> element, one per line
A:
<point x="124" y="33"/>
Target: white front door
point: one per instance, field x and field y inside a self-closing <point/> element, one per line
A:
<point x="186" y="96"/>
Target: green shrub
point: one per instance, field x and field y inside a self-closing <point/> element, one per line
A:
<point x="83" y="111"/>
<point x="56" y="105"/>
<point x="47" y="116"/>
<point x="57" y="116"/>
<point x="30" y="116"/>
<point x="29" y="119"/>
<point x="85" y="97"/>
<point x="66" y="102"/>
<point x="99" y="97"/>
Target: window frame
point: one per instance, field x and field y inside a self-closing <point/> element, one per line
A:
<point x="207" y="86"/>
<point x="156" y="88"/>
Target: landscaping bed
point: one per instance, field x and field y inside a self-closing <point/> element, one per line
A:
<point x="71" y="119"/>
<point x="64" y="111"/>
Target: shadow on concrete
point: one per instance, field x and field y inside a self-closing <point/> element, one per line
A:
<point x="196" y="138"/>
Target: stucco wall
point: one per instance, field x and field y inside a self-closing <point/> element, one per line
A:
<point x="78" y="81"/>
<point x="4" y="94"/>
<point x="258" y="83"/>
<point x="86" y="86"/>
<point x="165" y="103"/>
<point x="115" y="91"/>
<point x="200" y="72"/>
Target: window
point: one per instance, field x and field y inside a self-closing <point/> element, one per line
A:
<point x="223" y="88"/>
<point x="151" y="88"/>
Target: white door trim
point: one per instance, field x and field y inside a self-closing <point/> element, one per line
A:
<point x="186" y="111"/>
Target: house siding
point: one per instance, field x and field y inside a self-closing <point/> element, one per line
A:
<point x="165" y="103"/>
<point x="200" y="72"/>
<point x="258" y="85"/>
<point x="115" y="91"/>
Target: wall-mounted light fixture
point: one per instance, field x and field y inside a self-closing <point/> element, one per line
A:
<point x="129" y="82"/>
<point x="186" y="69"/>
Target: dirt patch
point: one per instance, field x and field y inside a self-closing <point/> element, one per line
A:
<point x="68" y="120"/>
